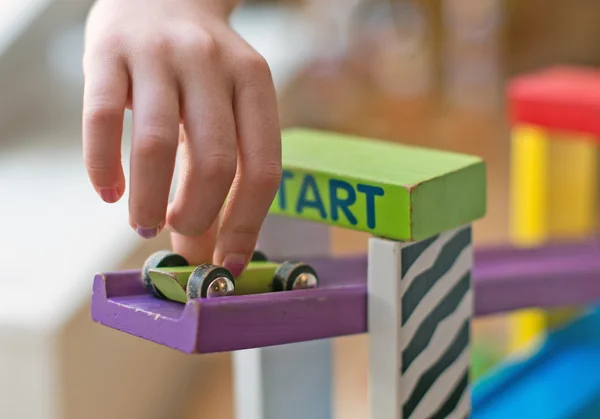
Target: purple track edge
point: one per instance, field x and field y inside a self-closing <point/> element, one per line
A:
<point x="504" y="279"/>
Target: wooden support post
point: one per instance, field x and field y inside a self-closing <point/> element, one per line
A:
<point x="573" y="206"/>
<point x="288" y="381"/>
<point x="554" y="197"/>
<point x="554" y="113"/>
<point x="420" y="307"/>
<point x="573" y="188"/>
<point x="529" y="192"/>
<point x="529" y="218"/>
<point x="388" y="190"/>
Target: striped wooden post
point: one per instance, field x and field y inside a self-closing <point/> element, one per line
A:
<point x="420" y="309"/>
<point x="419" y="286"/>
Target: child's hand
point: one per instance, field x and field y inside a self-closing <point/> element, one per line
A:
<point x="172" y="62"/>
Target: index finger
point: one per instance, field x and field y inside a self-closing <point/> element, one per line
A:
<point x="105" y="97"/>
<point x="259" y="168"/>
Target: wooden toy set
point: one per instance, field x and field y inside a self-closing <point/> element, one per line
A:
<point x="555" y="114"/>
<point x="416" y="291"/>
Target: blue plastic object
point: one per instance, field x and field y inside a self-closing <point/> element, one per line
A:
<point x="560" y="381"/>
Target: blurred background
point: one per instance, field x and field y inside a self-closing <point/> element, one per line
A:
<point x="427" y="72"/>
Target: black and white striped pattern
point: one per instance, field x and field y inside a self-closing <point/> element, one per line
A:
<point x="436" y="308"/>
<point x="433" y="303"/>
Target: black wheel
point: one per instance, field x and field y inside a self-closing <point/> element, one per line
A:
<point x="207" y="281"/>
<point x="295" y="275"/>
<point x="259" y="256"/>
<point x="160" y="259"/>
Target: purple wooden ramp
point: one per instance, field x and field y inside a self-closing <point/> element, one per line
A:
<point x="550" y="276"/>
<point x="504" y="279"/>
<point x="337" y="308"/>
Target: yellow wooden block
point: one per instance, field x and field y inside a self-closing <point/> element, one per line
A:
<point x="573" y="197"/>
<point x="529" y="217"/>
<point x="526" y="328"/>
<point x="572" y="180"/>
<point x="554" y="196"/>
<point x="529" y="200"/>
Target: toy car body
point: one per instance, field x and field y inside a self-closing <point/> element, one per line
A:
<point x="169" y="276"/>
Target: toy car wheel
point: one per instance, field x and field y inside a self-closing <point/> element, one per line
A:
<point x="160" y="259"/>
<point x="208" y="281"/>
<point x="295" y="275"/>
<point x="259" y="256"/>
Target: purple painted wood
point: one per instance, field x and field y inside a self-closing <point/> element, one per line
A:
<point x="505" y="279"/>
<point x="231" y="323"/>
<point x="512" y="253"/>
<point x="544" y="282"/>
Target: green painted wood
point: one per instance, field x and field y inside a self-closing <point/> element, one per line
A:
<point x="387" y="189"/>
<point x="172" y="281"/>
<point x="256" y="279"/>
<point x="168" y="284"/>
<point x="181" y="273"/>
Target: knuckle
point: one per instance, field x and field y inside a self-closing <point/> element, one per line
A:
<point x="155" y="141"/>
<point x="241" y="234"/>
<point x="187" y="224"/>
<point x="109" y="48"/>
<point x="101" y="114"/>
<point x="255" y="63"/>
<point x="110" y="41"/>
<point x="199" y="43"/>
<point x="255" y="66"/>
<point x="99" y="166"/>
<point x="157" y="45"/>
<point x="192" y="229"/>
<point x="267" y="175"/>
<point x="244" y="231"/>
<point x="218" y="166"/>
<point x="102" y="170"/>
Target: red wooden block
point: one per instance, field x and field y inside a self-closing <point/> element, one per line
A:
<point x="559" y="98"/>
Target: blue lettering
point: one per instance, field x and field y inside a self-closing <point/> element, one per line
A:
<point x="338" y="202"/>
<point x="286" y="174"/>
<point x="370" y="193"/>
<point x="310" y="185"/>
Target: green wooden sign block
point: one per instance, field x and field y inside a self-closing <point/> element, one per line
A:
<point x="387" y="189"/>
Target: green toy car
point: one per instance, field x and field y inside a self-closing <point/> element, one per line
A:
<point x="170" y="276"/>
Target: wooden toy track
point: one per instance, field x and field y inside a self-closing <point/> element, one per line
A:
<point x="504" y="279"/>
<point x="389" y="190"/>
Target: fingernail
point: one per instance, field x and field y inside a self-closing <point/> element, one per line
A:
<point x="149" y="233"/>
<point x="235" y="264"/>
<point x="110" y="195"/>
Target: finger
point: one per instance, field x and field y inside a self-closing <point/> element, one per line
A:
<point x="155" y="105"/>
<point x="196" y="249"/>
<point x="104" y="99"/>
<point x="259" y="173"/>
<point x="209" y="151"/>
